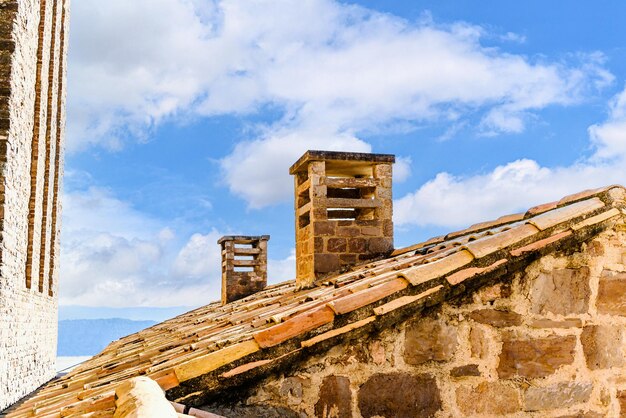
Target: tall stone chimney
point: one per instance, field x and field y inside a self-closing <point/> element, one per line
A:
<point x="244" y="266"/>
<point x="343" y="205"/>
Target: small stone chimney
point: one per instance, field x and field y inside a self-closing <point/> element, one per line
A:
<point x="344" y="211"/>
<point x="244" y="266"/>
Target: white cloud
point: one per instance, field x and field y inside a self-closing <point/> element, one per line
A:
<point x="458" y="201"/>
<point x="402" y="169"/>
<point x="283" y="269"/>
<point x="347" y="71"/>
<point x="115" y="255"/>
<point x="258" y="170"/>
<point x="610" y="137"/>
<point x="199" y="258"/>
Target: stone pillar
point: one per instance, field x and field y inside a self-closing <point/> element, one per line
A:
<point x="244" y="266"/>
<point x="33" y="57"/>
<point x="344" y="209"/>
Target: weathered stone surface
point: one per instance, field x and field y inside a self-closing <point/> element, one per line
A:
<point x="534" y="358"/>
<point x="326" y="263"/>
<point x="377" y="352"/>
<point x="323" y="228"/>
<point x="548" y="323"/>
<point x="399" y="395"/>
<point x="357" y="245"/>
<point x="335" y="398"/>
<point x="562" y="291"/>
<point x="603" y="346"/>
<point x="337" y="245"/>
<point x="467" y="370"/>
<point x="493" y="398"/>
<point x="562" y="395"/>
<point x="253" y="411"/>
<point x="621" y="399"/>
<point x="491" y="293"/>
<point x="292" y="388"/>
<point x="429" y="339"/>
<point x="348" y="231"/>
<point x="478" y="343"/>
<point x="595" y="248"/>
<point x="589" y="414"/>
<point x="612" y="293"/>
<point x="371" y="230"/>
<point x="496" y="318"/>
<point x="379" y="245"/>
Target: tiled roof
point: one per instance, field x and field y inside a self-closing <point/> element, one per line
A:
<point x="203" y="353"/>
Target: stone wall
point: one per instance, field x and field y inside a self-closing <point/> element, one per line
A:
<point x="32" y="115"/>
<point x="545" y="342"/>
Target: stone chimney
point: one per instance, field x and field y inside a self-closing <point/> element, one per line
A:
<point x="344" y="210"/>
<point x="244" y="266"/>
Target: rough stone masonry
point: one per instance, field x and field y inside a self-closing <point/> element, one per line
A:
<point x="33" y="46"/>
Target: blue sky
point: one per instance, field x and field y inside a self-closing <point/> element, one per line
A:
<point x="184" y="116"/>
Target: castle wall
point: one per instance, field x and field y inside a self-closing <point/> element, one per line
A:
<point x="549" y="341"/>
<point x="32" y="114"/>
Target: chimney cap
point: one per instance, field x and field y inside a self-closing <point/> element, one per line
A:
<point x="244" y="239"/>
<point x="314" y="155"/>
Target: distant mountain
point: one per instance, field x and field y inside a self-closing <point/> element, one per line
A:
<point x="135" y="313"/>
<point x="86" y="337"/>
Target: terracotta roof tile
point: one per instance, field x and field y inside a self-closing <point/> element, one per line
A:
<point x="426" y="272"/>
<point x="554" y="217"/>
<point x="215" y="360"/>
<point x="365" y="297"/>
<point x="487" y="225"/>
<point x="597" y="219"/>
<point x="338" y="331"/>
<point x="294" y="327"/>
<point x="537" y="245"/>
<point x="471" y="272"/>
<point x="404" y="301"/>
<point x="536" y="210"/>
<point x="219" y="339"/>
<point x="490" y="244"/>
<point x="582" y="195"/>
